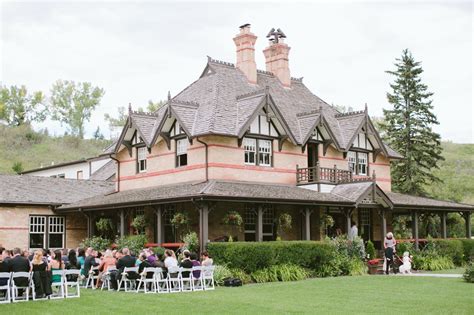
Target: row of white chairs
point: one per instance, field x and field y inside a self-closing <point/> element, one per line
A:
<point x="152" y="280"/>
<point x="66" y="288"/>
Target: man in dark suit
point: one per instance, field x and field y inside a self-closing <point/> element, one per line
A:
<point x="90" y="262"/>
<point x="125" y="261"/>
<point x="19" y="264"/>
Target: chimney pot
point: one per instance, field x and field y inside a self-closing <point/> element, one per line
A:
<point x="245" y="47"/>
<point x="276" y="57"/>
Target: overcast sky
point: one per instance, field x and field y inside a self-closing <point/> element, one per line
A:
<point x="137" y="51"/>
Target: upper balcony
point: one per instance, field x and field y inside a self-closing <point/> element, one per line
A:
<point x="327" y="175"/>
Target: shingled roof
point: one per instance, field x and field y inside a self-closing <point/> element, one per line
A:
<point x="408" y="201"/>
<point x="37" y="190"/>
<point x="222" y="102"/>
<point x="212" y="190"/>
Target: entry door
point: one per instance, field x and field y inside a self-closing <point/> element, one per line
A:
<point x="365" y="220"/>
<point x="169" y="230"/>
<point x="312" y="160"/>
<point x="250" y="225"/>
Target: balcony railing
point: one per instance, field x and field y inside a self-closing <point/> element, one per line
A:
<point x="327" y="175"/>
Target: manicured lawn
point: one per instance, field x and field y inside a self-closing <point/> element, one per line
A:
<point x="458" y="270"/>
<point x="363" y="294"/>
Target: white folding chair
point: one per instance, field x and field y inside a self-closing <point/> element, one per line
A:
<point x="127" y="279"/>
<point x="196" y="277"/>
<point x="106" y="279"/>
<point x="58" y="284"/>
<point x="92" y="278"/>
<point x="16" y="288"/>
<point x="161" y="281"/>
<point x="207" y="275"/>
<point x="149" y="271"/>
<point x="73" y="285"/>
<point x="6" y="276"/>
<point x="186" y="279"/>
<point x="174" y="281"/>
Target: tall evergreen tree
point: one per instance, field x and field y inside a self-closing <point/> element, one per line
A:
<point x="408" y="128"/>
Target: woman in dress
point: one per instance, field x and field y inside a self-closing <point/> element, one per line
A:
<point x="40" y="277"/>
<point x="56" y="264"/>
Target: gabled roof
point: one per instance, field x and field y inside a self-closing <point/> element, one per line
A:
<point x="223" y="102"/>
<point x="362" y="192"/>
<point x="38" y="190"/>
<point x="106" y="172"/>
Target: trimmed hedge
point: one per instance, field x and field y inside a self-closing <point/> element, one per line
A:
<point x="468" y="247"/>
<point x="253" y="256"/>
<point x="450" y="248"/>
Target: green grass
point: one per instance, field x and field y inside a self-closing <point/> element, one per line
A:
<point x="349" y="295"/>
<point x="32" y="149"/>
<point x="458" y="270"/>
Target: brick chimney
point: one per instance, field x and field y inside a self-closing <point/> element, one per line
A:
<point x="244" y="43"/>
<point x="276" y="56"/>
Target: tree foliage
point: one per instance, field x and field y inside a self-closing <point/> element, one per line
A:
<point x="73" y="103"/>
<point x="18" y="107"/>
<point x="408" y="128"/>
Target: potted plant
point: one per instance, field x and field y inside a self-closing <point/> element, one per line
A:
<point x="139" y="224"/>
<point x="326" y="222"/>
<point x="234" y="220"/>
<point x="105" y="227"/>
<point x="373" y="266"/>
<point x="284" y="222"/>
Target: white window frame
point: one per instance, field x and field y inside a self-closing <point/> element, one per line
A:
<point x="362" y="162"/>
<point x="358" y="162"/>
<point x="264" y="152"/>
<point x="181" y="149"/>
<point x="141" y="159"/>
<point x="261" y="149"/>
<point x="250" y="147"/>
<point x="46" y="225"/>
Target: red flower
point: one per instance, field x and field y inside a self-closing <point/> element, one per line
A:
<point x="373" y="262"/>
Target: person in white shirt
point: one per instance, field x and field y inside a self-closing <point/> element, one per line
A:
<point x="353" y="233"/>
<point x="170" y="259"/>
<point x="406" y="267"/>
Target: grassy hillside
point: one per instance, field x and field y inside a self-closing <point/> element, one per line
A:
<point x="31" y="149"/>
<point x="457" y="173"/>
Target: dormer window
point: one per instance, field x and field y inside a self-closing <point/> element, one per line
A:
<point x="141" y="159"/>
<point x="357" y="162"/>
<point x="181" y="152"/>
<point x="262" y="126"/>
<point x="257" y="151"/>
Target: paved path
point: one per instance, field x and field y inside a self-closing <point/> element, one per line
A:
<point x="435" y="275"/>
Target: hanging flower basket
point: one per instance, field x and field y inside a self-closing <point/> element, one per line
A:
<point x="285" y="221"/>
<point x="233" y="218"/>
<point x="327" y="221"/>
<point x="179" y="219"/>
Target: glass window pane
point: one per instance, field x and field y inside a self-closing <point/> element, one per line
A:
<point x="37" y="241"/>
<point x="182" y="146"/>
<point x="56" y="241"/>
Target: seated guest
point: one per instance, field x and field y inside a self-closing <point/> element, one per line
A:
<point x="125" y="261"/>
<point x="72" y="262"/>
<point x="3" y="267"/>
<point x="19" y="264"/>
<point x="186" y="263"/>
<point x="196" y="263"/>
<point x="64" y="256"/>
<point x="106" y="262"/>
<point x="206" y="260"/>
<point x="144" y="264"/>
<point x="89" y="262"/>
<point x="81" y="258"/>
<point x="41" y="277"/>
<point x="159" y="261"/>
<point x="56" y="264"/>
<point x="150" y="256"/>
<point x="170" y="261"/>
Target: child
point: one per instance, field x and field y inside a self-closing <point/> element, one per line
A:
<point x="406" y="267"/>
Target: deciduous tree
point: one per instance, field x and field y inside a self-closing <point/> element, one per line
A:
<point x="18" y="107"/>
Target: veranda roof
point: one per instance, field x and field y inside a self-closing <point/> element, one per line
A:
<point x="344" y="195"/>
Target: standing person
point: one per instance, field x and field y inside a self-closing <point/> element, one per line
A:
<point x="389" y="244"/>
<point x="354" y="232"/>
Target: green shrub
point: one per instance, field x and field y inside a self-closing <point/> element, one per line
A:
<point x="96" y="242"/>
<point x="133" y="242"/>
<point x="404" y="247"/>
<point x="158" y="250"/>
<point x="220" y="273"/>
<point x="432" y="262"/>
<point x="285" y="272"/>
<point x="253" y="256"/>
<point x="357" y="267"/>
<point x="139" y="223"/>
<point x="469" y="273"/>
<point x="353" y="248"/>
<point x="468" y="248"/>
<point x="370" y="250"/>
<point x="242" y="275"/>
<point x="450" y="248"/>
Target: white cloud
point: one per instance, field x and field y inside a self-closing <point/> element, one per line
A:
<point x="138" y="51"/>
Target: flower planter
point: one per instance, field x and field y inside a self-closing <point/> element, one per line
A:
<point x="373" y="269"/>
